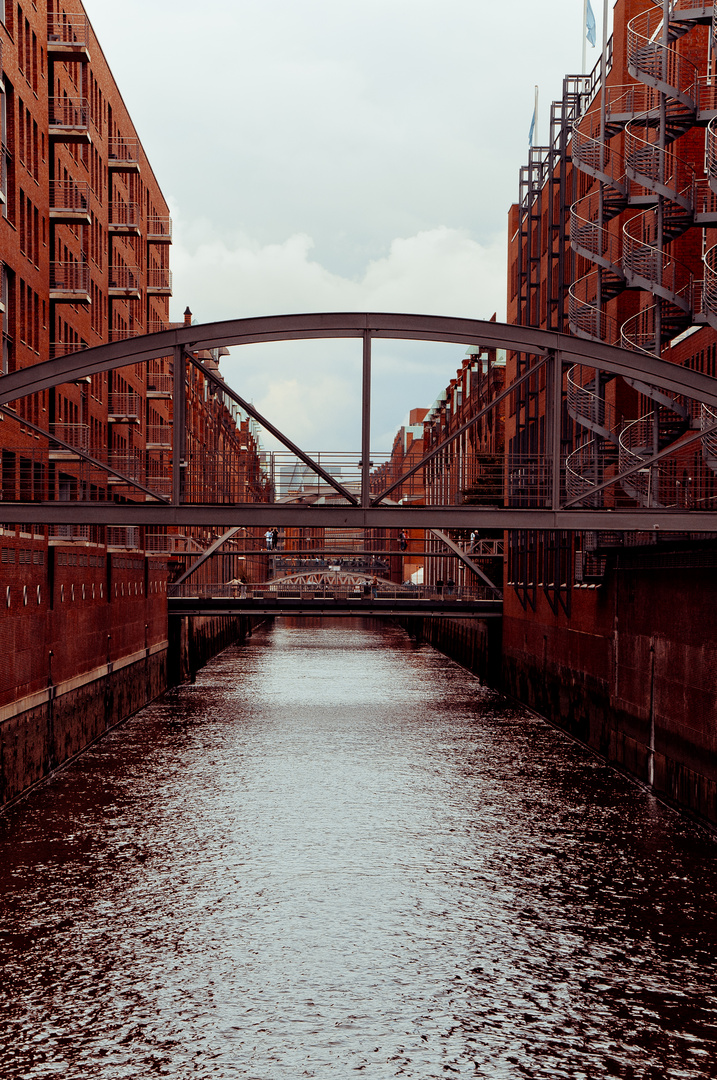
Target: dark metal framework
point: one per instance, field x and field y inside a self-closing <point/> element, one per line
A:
<point x="539" y="504"/>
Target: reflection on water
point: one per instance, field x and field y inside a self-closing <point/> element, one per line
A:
<point x="338" y="853"/>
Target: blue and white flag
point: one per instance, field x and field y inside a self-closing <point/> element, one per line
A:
<point x="590" y="25"/>
<point x="532" y="129"/>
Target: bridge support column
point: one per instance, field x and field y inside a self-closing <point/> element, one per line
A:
<point x="179" y="433"/>
<point x="554" y="421"/>
<point x="366" y="422"/>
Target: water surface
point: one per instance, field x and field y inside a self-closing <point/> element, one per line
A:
<point x="338" y="854"/>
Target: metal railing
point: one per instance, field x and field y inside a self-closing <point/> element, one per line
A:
<point x="172" y="544"/>
<point x="70" y="196"/>
<point x="123" y="152"/>
<point x="76" y="435"/>
<point x="159" y="279"/>
<point x="159" y="435"/>
<point x="69" y="277"/>
<point x="124" y="405"/>
<point x="66" y="348"/>
<point x="69" y="114"/>
<point x="69" y="30"/>
<point x="160" y="384"/>
<point x="123" y="537"/>
<point x="124" y="215"/>
<point x="126" y="278"/>
<point x="124" y="334"/>
<point x="159" y="227"/>
<point x="69" y="533"/>
<point x="385" y="590"/>
<point x="649" y="60"/>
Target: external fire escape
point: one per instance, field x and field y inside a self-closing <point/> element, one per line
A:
<point x="630" y="228"/>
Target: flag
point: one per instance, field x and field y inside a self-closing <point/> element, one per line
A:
<point x="590" y="25"/>
<point x="532" y="129"/>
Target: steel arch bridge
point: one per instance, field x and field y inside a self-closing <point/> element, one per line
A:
<point x="548" y="350"/>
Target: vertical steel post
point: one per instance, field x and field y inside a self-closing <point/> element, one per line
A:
<point x="366" y="422"/>
<point x="179" y="434"/>
<point x="554" y="433"/>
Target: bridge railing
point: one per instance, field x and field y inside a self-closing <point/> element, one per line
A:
<point x="385" y="591"/>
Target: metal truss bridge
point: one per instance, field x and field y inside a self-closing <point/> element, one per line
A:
<point x="329" y="599"/>
<point x="552" y="489"/>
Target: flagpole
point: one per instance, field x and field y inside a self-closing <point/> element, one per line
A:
<point x="535" y="114"/>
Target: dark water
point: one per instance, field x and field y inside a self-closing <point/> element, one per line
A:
<point x="337" y="854"/>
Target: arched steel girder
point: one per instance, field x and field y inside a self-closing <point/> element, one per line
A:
<point x="549" y="347"/>
<point x="571" y="350"/>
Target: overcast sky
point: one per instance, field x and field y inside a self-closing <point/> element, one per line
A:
<point x="339" y="155"/>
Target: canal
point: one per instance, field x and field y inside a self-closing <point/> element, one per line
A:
<point x="337" y="853"/>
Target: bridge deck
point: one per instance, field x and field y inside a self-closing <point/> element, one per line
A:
<point x="336" y="606"/>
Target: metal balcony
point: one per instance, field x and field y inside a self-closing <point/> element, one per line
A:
<point x="709" y="292"/>
<point x="159" y="229"/>
<point x="124" y="282"/>
<point x="159" y="386"/>
<point x="652" y="63"/>
<point x="70" y="282"/>
<point x="590" y="409"/>
<point x="76" y="436"/>
<point x="587" y="318"/>
<point x="68" y="534"/>
<point x="596" y="242"/>
<point x="68" y="39"/>
<point x="650" y="268"/>
<point x="124" y="408"/>
<point x="159" y="282"/>
<point x="66" y="348"/>
<point x="124" y="334"/>
<point x="129" y="463"/>
<point x="69" y="120"/>
<point x="123" y="538"/>
<point x="124" y="218"/>
<point x="159" y="436"/>
<point x="708" y="417"/>
<point x="123" y="155"/>
<point x="70" y="202"/>
<point x="4" y="154"/>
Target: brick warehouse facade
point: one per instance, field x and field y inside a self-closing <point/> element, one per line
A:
<point x="614" y="239"/>
<point x="85" y="235"/>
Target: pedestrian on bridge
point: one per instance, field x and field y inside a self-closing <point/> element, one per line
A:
<point x="268" y="536"/>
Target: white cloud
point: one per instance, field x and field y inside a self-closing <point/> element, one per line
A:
<point x="440" y="271"/>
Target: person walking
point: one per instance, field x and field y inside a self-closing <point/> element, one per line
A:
<point x="268" y="536"/>
<point x="374" y="588"/>
<point x="275" y="538"/>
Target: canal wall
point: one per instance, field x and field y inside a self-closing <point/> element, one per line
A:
<point x="44" y="730"/>
<point x="473" y="643"/>
<point x="631" y="672"/>
<point x="637" y="680"/>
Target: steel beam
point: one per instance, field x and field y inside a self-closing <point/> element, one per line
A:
<point x="207" y="554"/>
<point x="460" y="554"/>
<point x="489" y="335"/>
<point x="366" y="421"/>
<point x="264" y="515"/>
<point x="268" y="426"/>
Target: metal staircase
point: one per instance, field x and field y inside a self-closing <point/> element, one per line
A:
<point x="644" y="120"/>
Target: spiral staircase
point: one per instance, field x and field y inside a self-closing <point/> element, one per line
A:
<point x="645" y="119"/>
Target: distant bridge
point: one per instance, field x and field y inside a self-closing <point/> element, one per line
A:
<point x="327" y="599"/>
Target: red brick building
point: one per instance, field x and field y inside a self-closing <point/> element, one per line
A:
<point x="85" y="236"/>
<point x="614" y="239"/>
